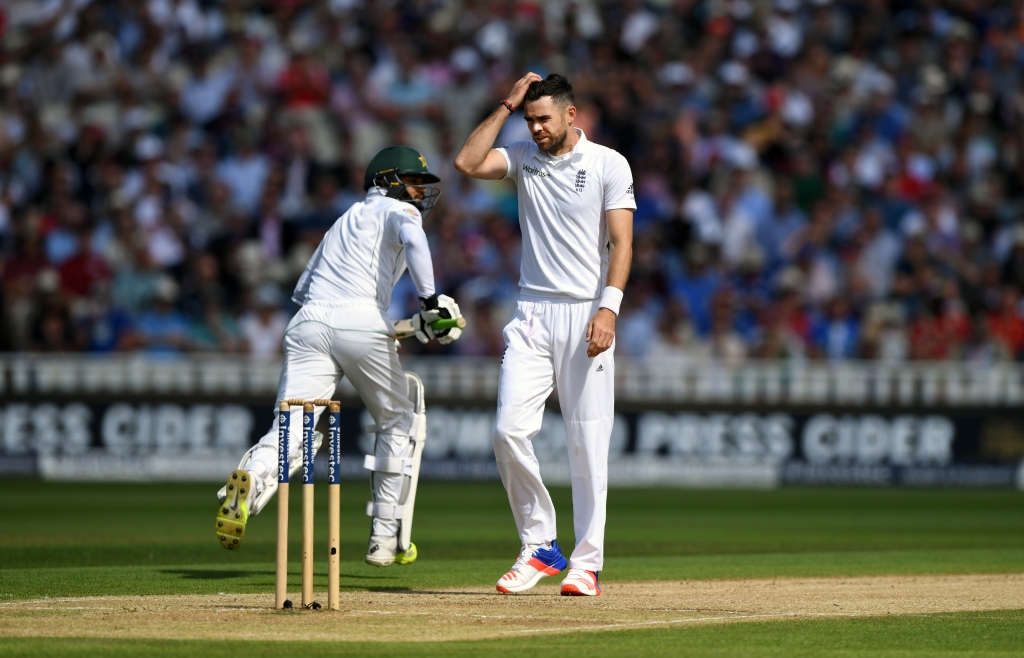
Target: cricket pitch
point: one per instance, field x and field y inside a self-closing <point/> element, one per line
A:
<point x="474" y="614"/>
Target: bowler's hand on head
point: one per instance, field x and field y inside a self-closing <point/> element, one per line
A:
<point x="600" y="332"/>
<point x="518" y="92"/>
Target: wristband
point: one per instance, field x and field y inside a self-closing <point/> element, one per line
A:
<point x="508" y="106"/>
<point x="428" y="303"/>
<point x="611" y="299"/>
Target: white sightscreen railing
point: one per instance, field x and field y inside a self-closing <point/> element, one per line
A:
<point x="807" y="383"/>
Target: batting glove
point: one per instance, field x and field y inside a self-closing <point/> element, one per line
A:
<point x="429" y="312"/>
<point x="448" y="309"/>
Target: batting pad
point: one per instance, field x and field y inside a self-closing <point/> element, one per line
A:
<point x="407" y="466"/>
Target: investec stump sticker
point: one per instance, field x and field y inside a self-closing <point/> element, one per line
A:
<point x="282" y="453"/>
<point x="333" y="447"/>
<point x="307" y="452"/>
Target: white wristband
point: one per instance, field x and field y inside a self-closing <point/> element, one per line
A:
<point x="611" y="299"/>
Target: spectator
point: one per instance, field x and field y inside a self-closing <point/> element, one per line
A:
<point x="262" y="329"/>
<point x="813" y="144"/>
<point x="163" y="331"/>
<point x="50" y="327"/>
<point x="81" y="273"/>
<point x="880" y="250"/>
<point x="206" y="92"/>
<point x="776" y="236"/>
<point x="938" y="332"/>
<point x="1005" y="323"/>
<point x="244" y="173"/>
<point x="105" y="328"/>
<point x="836" y="336"/>
<point x="695" y="287"/>
<point x="214" y="330"/>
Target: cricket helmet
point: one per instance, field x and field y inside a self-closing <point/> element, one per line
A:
<point x="388" y="164"/>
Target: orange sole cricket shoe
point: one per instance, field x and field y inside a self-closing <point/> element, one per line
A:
<point x="580" y="582"/>
<point x="534" y="562"/>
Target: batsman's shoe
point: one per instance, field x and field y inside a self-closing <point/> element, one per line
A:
<point x="381" y="551"/>
<point x="535" y="562"/>
<point x="580" y="582"/>
<point x="266" y="486"/>
<point x="233" y="513"/>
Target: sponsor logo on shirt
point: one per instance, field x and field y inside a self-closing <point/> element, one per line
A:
<point x="536" y="172"/>
<point x="629" y="190"/>
<point x="581" y="180"/>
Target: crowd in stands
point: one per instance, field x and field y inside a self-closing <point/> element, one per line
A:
<point x="814" y="178"/>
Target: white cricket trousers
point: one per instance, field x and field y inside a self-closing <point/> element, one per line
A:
<point x="545" y="348"/>
<point x="322" y="345"/>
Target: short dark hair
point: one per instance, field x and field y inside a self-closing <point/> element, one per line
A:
<point x="555" y="86"/>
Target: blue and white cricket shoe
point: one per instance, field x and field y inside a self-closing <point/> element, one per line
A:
<point x="580" y="582"/>
<point x="535" y="561"/>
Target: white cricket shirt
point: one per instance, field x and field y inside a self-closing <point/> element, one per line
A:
<point x="364" y="254"/>
<point x="562" y="205"/>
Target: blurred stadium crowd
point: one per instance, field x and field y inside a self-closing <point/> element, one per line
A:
<point x="815" y="178"/>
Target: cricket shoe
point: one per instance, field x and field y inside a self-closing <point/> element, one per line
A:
<point x="535" y="561"/>
<point x="408" y="556"/>
<point x="580" y="582"/>
<point x="233" y="513"/>
<point x="381" y="551"/>
<point x="266" y="486"/>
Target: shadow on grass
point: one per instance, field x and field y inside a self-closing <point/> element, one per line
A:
<point x="213" y="574"/>
<point x="360" y="577"/>
<point x="226" y="574"/>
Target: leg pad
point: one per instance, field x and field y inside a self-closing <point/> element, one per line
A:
<point x="384" y="511"/>
<point x="407" y="466"/>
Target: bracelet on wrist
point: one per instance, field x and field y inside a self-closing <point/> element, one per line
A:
<point x="508" y="106"/>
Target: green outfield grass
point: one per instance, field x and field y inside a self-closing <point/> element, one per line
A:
<point x="989" y="634"/>
<point x="59" y="539"/>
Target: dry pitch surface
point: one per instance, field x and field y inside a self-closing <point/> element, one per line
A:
<point x="473" y="614"/>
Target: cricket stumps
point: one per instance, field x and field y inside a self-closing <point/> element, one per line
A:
<point x="281" y="601"/>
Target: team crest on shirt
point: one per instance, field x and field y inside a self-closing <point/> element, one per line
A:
<point x="581" y="180"/>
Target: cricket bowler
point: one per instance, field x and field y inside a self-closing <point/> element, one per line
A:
<point x="343" y="330"/>
<point x="576" y="213"/>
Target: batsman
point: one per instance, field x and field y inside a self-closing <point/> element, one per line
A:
<point x="343" y="330"/>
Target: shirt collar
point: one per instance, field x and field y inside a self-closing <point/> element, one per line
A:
<point x="575" y="153"/>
